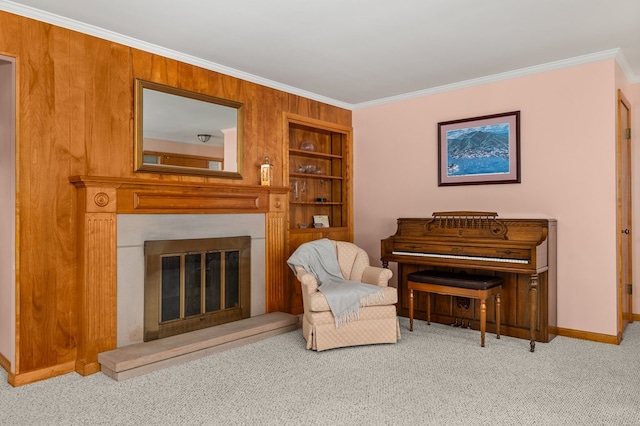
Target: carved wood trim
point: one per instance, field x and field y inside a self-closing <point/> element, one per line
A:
<point x="275" y="233"/>
<point x="152" y="196"/>
<point x="96" y="276"/>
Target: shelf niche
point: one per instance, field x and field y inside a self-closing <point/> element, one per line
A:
<point x="318" y="170"/>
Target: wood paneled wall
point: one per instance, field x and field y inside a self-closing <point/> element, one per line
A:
<point x="75" y="117"/>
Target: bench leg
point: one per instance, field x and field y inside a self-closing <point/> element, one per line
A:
<point x="411" y="310"/>
<point x="498" y="315"/>
<point x="483" y="320"/>
<point x="428" y="308"/>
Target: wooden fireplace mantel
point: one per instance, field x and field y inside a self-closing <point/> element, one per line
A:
<point x="99" y="201"/>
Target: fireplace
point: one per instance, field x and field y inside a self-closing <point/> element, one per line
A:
<point x="110" y="279"/>
<point x="195" y="283"/>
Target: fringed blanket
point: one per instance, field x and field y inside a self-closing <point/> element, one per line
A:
<point x="344" y="296"/>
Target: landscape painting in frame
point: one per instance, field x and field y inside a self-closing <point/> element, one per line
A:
<point x="479" y="150"/>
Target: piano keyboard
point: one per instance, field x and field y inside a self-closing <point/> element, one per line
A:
<point x="462" y="257"/>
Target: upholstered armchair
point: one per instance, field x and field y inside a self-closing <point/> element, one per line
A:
<point x="377" y="323"/>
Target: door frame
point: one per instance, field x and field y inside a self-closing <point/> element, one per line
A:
<point x="624" y="209"/>
<point x="8" y="214"/>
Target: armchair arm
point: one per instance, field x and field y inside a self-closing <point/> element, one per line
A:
<point x="307" y="280"/>
<point x="377" y="276"/>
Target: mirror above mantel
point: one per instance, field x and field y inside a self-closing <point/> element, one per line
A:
<point x="182" y="132"/>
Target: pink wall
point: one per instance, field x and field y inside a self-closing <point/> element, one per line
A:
<point x="568" y="173"/>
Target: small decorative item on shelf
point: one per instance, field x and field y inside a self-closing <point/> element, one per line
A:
<point x="265" y="173"/>
<point x="308" y="168"/>
<point x="320" y="221"/>
<point x="307" y="146"/>
<point x="321" y="200"/>
<point x="299" y="188"/>
<point x="302" y="225"/>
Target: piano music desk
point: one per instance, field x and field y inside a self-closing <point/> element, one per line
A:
<point x="457" y="284"/>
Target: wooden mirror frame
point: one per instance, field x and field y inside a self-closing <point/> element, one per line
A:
<point x="139" y="151"/>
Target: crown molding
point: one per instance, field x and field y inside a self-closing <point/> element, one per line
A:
<point x="60" y="21"/>
<point x="626" y="68"/>
<point x="565" y="63"/>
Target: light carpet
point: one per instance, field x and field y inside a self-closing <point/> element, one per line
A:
<point x="436" y="375"/>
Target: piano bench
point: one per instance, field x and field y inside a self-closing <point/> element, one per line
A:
<point x="457" y="284"/>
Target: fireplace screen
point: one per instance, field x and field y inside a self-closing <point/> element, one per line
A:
<point x="197" y="283"/>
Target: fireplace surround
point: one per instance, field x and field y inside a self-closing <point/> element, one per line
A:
<point x="102" y="199"/>
<point x="135" y="229"/>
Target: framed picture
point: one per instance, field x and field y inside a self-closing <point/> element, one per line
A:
<point x="321" y="221"/>
<point x="479" y="150"/>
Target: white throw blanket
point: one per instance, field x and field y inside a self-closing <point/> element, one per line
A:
<point x="343" y="296"/>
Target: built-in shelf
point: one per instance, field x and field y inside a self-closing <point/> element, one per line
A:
<point x="313" y="176"/>
<point x="320" y="171"/>
<point x="312" y="230"/>
<point x="318" y="203"/>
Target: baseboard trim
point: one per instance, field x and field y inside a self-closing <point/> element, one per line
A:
<point x="86" y="369"/>
<point x="587" y="335"/>
<point x="41" y="374"/>
<point x="5" y="363"/>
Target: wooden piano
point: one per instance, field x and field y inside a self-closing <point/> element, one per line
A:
<point x="521" y="251"/>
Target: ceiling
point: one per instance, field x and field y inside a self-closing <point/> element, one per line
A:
<point x="354" y="53"/>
